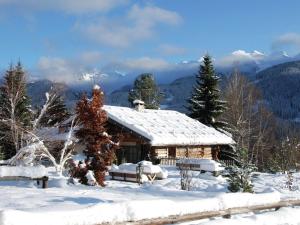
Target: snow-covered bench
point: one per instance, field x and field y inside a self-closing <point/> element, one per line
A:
<point x="208" y="165"/>
<point x="131" y="172"/>
<point x="38" y="173"/>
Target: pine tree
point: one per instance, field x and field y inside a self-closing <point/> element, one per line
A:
<point x="205" y="104"/>
<point x="240" y="174"/>
<point x="145" y="89"/>
<point x="99" y="146"/>
<point x="15" y="113"/>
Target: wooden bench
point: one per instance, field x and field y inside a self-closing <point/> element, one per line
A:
<point x="131" y="177"/>
<point x="189" y="166"/>
<point x="44" y="179"/>
<point x="195" y="167"/>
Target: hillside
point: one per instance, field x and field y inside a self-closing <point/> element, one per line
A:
<point x="280" y="86"/>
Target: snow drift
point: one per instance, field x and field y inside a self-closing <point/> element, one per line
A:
<point x="23" y="171"/>
<point x="134" y="210"/>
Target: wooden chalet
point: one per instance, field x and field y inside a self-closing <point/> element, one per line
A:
<point x="159" y="135"/>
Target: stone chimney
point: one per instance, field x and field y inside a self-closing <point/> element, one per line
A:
<point x="139" y="105"/>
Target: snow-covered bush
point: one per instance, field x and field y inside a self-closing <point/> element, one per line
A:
<point x="79" y="171"/>
<point x="290" y="181"/>
<point x="240" y="179"/>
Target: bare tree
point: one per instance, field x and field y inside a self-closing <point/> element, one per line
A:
<point x="36" y="149"/>
<point x="285" y="154"/>
<point x="186" y="177"/>
<point x="248" y="119"/>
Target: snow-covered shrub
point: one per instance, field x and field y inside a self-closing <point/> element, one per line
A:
<point x="290" y="181"/>
<point x="79" y="171"/>
<point x="91" y="180"/>
<point x="240" y="179"/>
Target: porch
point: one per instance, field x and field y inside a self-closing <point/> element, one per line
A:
<point x="171" y="161"/>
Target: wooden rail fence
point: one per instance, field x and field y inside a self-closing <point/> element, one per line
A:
<point x="168" y="161"/>
<point x="172" y="161"/>
<point x="226" y="213"/>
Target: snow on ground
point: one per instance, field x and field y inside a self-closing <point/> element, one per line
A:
<point x="23" y="171"/>
<point x="24" y="203"/>
<point x="284" y="216"/>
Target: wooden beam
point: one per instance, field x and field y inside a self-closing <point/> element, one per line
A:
<point x="226" y="213"/>
<point x="115" y="123"/>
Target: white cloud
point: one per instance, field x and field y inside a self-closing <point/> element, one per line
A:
<point x="142" y="64"/>
<point x="240" y="56"/>
<point x="146" y="63"/>
<point x="138" y="24"/>
<point x="167" y="49"/>
<point x="150" y="15"/>
<point x="58" y="69"/>
<point x="67" y="6"/>
<point x="287" y="40"/>
<point x="90" y="57"/>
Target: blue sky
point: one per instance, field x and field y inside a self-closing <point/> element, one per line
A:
<point x="52" y="36"/>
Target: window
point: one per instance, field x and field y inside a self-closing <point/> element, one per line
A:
<point x="172" y="152"/>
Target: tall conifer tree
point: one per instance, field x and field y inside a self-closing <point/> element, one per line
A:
<point x="145" y="89"/>
<point x="15" y="113"/>
<point x="205" y="104"/>
<point x="99" y="146"/>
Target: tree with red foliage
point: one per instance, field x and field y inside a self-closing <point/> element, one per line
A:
<point x="100" y="147"/>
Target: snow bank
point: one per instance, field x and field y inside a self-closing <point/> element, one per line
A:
<point x="23" y="171"/>
<point x="284" y="216"/>
<point x="231" y="200"/>
<point x="134" y="210"/>
<point x="205" y="164"/>
<point x="125" y="168"/>
<point x="146" y="166"/>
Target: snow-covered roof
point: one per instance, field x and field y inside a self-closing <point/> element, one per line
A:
<point x="137" y="101"/>
<point x="51" y="134"/>
<point x="167" y="127"/>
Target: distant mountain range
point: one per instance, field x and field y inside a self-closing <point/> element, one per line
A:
<point x="280" y="85"/>
<point x="116" y="75"/>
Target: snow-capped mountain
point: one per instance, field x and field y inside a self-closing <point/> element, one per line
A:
<point x="251" y="62"/>
<point x="113" y="75"/>
<point x="279" y="85"/>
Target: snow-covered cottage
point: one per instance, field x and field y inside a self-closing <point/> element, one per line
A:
<point x="162" y="134"/>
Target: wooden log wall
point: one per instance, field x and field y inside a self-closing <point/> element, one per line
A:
<point x="183" y="151"/>
<point x="161" y="152"/>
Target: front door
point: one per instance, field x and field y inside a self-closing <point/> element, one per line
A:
<point x="172" y="152"/>
<point x="129" y="154"/>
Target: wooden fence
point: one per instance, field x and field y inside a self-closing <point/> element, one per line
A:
<point x="172" y="161"/>
<point x="227" y="162"/>
<point x="168" y="161"/>
<point x="226" y="213"/>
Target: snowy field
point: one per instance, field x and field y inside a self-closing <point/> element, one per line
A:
<point x="22" y="203"/>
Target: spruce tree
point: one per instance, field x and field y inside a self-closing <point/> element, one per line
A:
<point x="100" y="148"/>
<point x="15" y="113"/>
<point x="205" y="104"/>
<point x="145" y="89"/>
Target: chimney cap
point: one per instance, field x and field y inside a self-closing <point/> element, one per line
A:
<point x="139" y="105"/>
<point x="96" y="87"/>
<point x="138" y="102"/>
